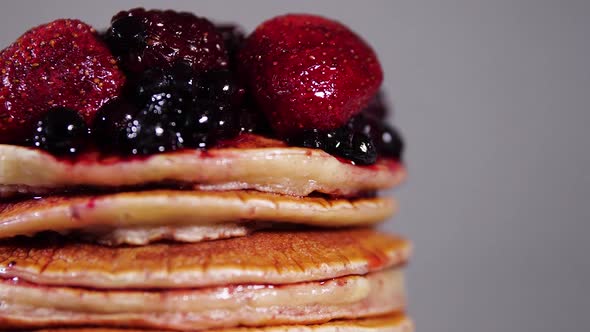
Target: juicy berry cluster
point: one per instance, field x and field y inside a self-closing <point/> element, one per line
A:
<point x="170" y="109"/>
<point x="361" y="140"/>
<point x="144" y="39"/>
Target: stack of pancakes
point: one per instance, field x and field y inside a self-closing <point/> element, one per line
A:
<point x="249" y="236"/>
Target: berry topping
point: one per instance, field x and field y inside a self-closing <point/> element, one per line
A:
<point x="158" y="38"/>
<point x="209" y="121"/>
<point x="308" y="72"/>
<point x="386" y="139"/>
<point x="377" y="107"/>
<point x="111" y="122"/>
<point x="233" y="38"/>
<point x="220" y="85"/>
<point x="343" y="142"/>
<point x="126" y="34"/>
<point x="61" y="131"/>
<point x="157" y="126"/>
<point x="62" y="63"/>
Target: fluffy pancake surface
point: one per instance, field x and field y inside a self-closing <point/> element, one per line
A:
<point x="268" y="278"/>
<point x="271" y="168"/>
<point x="140" y="217"/>
<point x="199" y="309"/>
<point x="265" y="257"/>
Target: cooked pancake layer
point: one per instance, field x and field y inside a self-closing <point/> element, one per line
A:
<point x="394" y="322"/>
<point x="26" y="305"/>
<point x="265" y="257"/>
<point x="280" y="169"/>
<point x="139" y="217"/>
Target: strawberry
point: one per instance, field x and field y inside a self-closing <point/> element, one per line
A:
<point x="59" y="64"/>
<point x="308" y="72"/>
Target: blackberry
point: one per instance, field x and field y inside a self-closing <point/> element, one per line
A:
<point x="226" y="122"/>
<point x="126" y="34"/>
<point x="183" y="78"/>
<point x="233" y="39"/>
<point x="179" y="78"/>
<point x="157" y="127"/>
<point x="220" y="85"/>
<point x="207" y="122"/>
<point x="250" y="121"/>
<point x="61" y="131"/>
<point x="199" y="123"/>
<point x="152" y="81"/>
<point x="172" y="36"/>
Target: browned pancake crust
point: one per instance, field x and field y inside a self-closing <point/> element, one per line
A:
<point x="268" y="167"/>
<point x="170" y="208"/>
<point x="268" y="257"/>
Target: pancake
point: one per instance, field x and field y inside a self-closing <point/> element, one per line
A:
<point x="271" y="168"/>
<point x="265" y="257"/>
<point x="395" y="322"/>
<point x="30" y="306"/>
<point x="142" y="217"/>
<point x="268" y="278"/>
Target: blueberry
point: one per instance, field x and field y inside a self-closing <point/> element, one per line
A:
<point x="357" y="147"/>
<point x="111" y="122"/>
<point x="61" y="131"/>
<point x="377" y="107"/>
<point x="387" y="140"/>
<point x="313" y="139"/>
<point x="126" y="34"/>
<point x="344" y="142"/>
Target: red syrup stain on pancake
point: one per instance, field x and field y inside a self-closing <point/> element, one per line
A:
<point x="91" y="203"/>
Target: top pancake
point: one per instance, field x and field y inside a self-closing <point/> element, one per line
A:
<point x="266" y="257"/>
<point x="250" y="162"/>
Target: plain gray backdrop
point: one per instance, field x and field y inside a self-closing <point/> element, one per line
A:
<point x="493" y="100"/>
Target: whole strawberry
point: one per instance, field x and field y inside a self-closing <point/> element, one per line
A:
<point x="59" y="64"/>
<point x="309" y="72"/>
<point x="144" y="39"/>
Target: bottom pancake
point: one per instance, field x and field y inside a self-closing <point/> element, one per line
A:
<point x="395" y="322"/>
<point x="190" y="216"/>
<point x="26" y="305"/>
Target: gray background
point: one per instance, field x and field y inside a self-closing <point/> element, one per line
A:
<point x="493" y="98"/>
